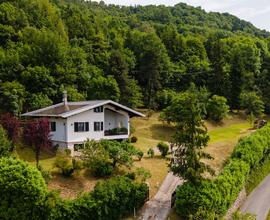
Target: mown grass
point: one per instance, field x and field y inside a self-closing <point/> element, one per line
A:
<point x="27" y="154"/>
<point x="228" y="133"/>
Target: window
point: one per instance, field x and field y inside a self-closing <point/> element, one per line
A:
<point x="98" y="109"/>
<point x="81" y="126"/>
<point x="98" y="126"/>
<point x="53" y="126"/>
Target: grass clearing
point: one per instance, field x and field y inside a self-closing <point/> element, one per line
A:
<point x="151" y="131"/>
<point x="230" y="132"/>
<point x="223" y="141"/>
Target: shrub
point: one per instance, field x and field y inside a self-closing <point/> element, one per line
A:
<point x="217" y="195"/>
<point x="142" y="174"/>
<point x="139" y="155"/>
<point x="66" y="165"/>
<point x="67" y="151"/>
<point x="217" y="108"/>
<point x="131" y="175"/>
<point x="103" y="169"/>
<point x="118" y="196"/>
<point x="163" y="148"/>
<point x="151" y="152"/>
<point x="5" y="144"/>
<point x="133" y="139"/>
<point x="22" y="190"/>
<point x="45" y="174"/>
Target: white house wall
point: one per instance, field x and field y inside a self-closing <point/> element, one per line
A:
<point x="88" y="116"/>
<point x="60" y="133"/>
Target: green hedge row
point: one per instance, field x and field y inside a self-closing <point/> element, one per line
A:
<point x="216" y="196"/>
<point x="111" y="199"/>
<point x="24" y="195"/>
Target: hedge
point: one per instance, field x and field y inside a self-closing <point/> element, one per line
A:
<point x="22" y="190"/>
<point x="24" y="195"/>
<point x="217" y="195"/>
<point x="110" y="199"/>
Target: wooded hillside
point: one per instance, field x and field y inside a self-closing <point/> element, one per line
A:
<point x="133" y="55"/>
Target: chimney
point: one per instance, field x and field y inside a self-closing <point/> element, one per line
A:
<point x="65" y="100"/>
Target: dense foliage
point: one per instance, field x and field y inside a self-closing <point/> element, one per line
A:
<point x="217" y="108"/>
<point x="163" y="149"/>
<point x="111" y="199"/>
<point x="102" y="157"/>
<point x="22" y="189"/>
<point x="24" y="195"/>
<point x="134" y="55"/>
<point x="5" y="144"/>
<point x="216" y="196"/>
<point x="12" y="126"/>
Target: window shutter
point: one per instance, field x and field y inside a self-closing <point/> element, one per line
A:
<point x="86" y="126"/>
<point x="76" y="126"/>
<point x="101" y="126"/>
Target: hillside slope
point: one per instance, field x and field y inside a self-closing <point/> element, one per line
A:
<point x="133" y="55"/>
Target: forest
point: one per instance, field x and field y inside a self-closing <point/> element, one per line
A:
<point x="138" y="56"/>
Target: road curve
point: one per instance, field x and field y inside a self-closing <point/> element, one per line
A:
<point x="258" y="202"/>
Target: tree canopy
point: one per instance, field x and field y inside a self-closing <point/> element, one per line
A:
<point x="127" y="54"/>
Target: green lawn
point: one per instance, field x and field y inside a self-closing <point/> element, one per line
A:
<point x="228" y="133"/>
<point x="28" y="154"/>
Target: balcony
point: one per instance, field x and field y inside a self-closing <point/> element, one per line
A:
<point x="116" y="131"/>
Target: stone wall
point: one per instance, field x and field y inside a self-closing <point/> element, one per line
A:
<point x="236" y="205"/>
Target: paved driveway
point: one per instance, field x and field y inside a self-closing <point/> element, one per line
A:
<point x="258" y="202"/>
<point x="158" y="208"/>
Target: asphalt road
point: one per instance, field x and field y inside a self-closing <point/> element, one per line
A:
<point x="158" y="208"/>
<point x="258" y="202"/>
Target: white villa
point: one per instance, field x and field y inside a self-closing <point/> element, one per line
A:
<point x="72" y="123"/>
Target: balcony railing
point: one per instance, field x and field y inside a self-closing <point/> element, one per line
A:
<point x="116" y="131"/>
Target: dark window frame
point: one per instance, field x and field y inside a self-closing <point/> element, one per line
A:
<point x="99" y="109"/>
<point x="81" y="126"/>
<point x="53" y="126"/>
<point x="98" y="126"/>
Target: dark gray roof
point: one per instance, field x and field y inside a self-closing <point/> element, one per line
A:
<point x="72" y="108"/>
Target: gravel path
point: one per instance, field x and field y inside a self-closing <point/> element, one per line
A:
<point x="158" y="208"/>
<point x="258" y="202"/>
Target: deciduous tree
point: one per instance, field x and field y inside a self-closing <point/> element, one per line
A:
<point x="36" y="133"/>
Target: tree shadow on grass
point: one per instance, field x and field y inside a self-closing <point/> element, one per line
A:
<point x="163" y="132"/>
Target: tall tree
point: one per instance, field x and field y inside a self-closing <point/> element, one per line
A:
<point x="12" y="96"/>
<point x="12" y="126"/>
<point x="120" y="69"/>
<point x="37" y="134"/>
<point x="190" y="138"/>
<point x="153" y="64"/>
